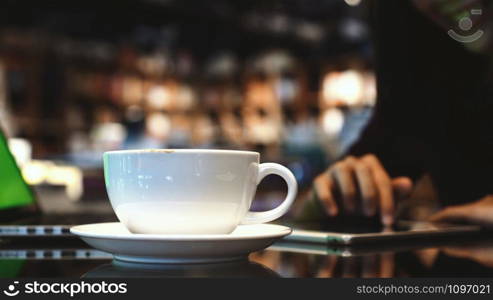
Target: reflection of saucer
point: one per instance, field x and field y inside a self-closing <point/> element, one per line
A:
<point x="223" y="270"/>
<point x="154" y="248"/>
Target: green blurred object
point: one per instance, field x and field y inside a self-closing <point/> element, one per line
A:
<point x="14" y="191"/>
<point x="10" y="267"/>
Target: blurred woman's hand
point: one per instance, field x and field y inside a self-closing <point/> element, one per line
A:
<point x="362" y="184"/>
<point x="479" y="212"/>
<point x="482" y="254"/>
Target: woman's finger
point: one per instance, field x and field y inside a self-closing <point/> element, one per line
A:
<point x="384" y="188"/>
<point x="457" y="213"/>
<point x="323" y="191"/>
<point x="402" y="186"/>
<point x="367" y="188"/>
<point x="343" y="174"/>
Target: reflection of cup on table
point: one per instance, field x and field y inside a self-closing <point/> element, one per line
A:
<point x="241" y="269"/>
<point x="189" y="191"/>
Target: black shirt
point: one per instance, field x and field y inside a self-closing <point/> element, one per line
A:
<point x="434" y="111"/>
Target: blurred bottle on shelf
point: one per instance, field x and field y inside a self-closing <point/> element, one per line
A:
<point x="107" y="133"/>
<point x="262" y="114"/>
<point x="6" y="121"/>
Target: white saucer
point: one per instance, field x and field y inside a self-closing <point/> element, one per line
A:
<point x="154" y="248"/>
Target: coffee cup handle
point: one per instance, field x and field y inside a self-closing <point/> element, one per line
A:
<point x="266" y="169"/>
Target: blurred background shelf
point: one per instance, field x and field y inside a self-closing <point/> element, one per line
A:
<point x="292" y="79"/>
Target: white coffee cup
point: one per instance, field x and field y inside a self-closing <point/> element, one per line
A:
<point x="189" y="191"/>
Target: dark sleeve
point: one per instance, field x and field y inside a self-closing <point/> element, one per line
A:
<point x="400" y="155"/>
<point x="388" y="135"/>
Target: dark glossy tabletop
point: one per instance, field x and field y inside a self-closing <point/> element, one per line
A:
<point x="458" y="257"/>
